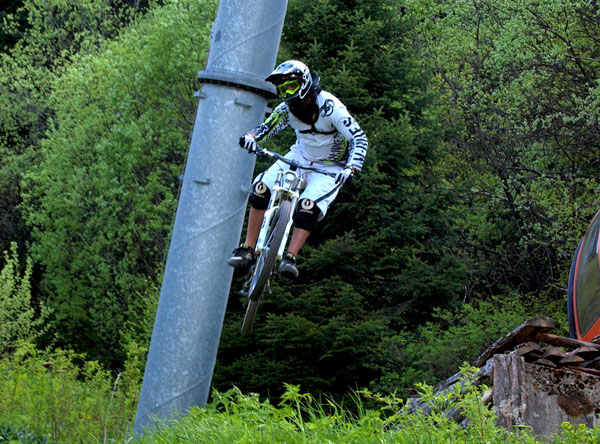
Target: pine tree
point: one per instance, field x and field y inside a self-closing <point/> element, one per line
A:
<point x="380" y="261"/>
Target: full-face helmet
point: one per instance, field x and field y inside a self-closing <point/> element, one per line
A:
<point x="292" y="80"/>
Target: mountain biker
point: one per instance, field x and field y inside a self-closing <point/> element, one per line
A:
<point x="327" y="137"/>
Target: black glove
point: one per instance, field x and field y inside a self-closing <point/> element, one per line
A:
<point x="248" y="142"/>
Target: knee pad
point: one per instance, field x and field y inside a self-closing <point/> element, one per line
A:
<point x="260" y="196"/>
<point x="307" y="214"/>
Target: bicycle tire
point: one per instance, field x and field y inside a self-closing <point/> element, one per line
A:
<point x="573" y="333"/>
<point x="264" y="266"/>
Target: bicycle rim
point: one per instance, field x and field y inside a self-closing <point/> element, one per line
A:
<point x="264" y="266"/>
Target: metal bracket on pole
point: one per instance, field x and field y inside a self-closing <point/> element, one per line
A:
<point x="242" y="104"/>
<point x="249" y="82"/>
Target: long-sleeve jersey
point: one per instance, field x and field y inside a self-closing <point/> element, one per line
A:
<point x="334" y="137"/>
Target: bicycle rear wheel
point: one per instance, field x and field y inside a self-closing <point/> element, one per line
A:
<point x="264" y="265"/>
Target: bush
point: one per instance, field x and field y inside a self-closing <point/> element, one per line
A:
<point x="61" y="395"/>
<point x="18" y="319"/>
<point x="433" y="351"/>
<point x="10" y="434"/>
<point x="102" y="198"/>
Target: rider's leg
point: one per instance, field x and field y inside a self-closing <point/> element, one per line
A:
<point x="320" y="191"/>
<point x="259" y="201"/>
<point x="305" y="219"/>
<point x="287" y="267"/>
<point x="244" y="256"/>
<point x="299" y="236"/>
<point x="288" y="262"/>
<point x="255" y="219"/>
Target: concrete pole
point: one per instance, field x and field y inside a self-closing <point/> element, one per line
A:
<point x="243" y="48"/>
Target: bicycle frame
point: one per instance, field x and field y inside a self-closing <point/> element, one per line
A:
<point x="287" y="187"/>
<point x="284" y="197"/>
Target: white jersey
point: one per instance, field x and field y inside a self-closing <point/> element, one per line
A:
<point x="335" y="137"/>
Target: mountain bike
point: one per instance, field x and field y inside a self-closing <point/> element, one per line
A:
<point x="274" y="232"/>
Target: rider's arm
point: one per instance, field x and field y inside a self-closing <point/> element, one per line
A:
<point x="357" y="140"/>
<point x="278" y="120"/>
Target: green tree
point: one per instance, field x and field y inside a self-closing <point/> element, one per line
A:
<point x="39" y="38"/>
<point x="10" y="7"/>
<point x="102" y="199"/>
<point x="519" y="101"/>
<point x="436" y="349"/>
<point x="382" y="259"/>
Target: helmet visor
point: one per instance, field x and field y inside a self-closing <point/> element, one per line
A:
<point x="288" y="88"/>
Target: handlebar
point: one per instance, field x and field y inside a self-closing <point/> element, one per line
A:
<point x="263" y="152"/>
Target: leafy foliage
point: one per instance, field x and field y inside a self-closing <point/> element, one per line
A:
<point x="61" y="395"/>
<point x="434" y="350"/>
<point x="300" y="418"/>
<point x="382" y="258"/>
<point x="518" y="101"/>
<point x="10" y="7"/>
<point x="45" y="37"/>
<point x="18" y="318"/>
<point x="11" y="435"/>
<point x="102" y="197"/>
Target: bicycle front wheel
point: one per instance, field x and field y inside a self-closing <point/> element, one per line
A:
<point x="264" y="265"/>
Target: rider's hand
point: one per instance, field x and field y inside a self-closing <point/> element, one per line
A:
<point x="248" y="143"/>
<point x="343" y="175"/>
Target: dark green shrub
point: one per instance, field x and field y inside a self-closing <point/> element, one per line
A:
<point x="434" y="351"/>
<point x="9" y="433"/>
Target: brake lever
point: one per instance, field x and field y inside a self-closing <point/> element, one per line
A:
<point x="261" y="154"/>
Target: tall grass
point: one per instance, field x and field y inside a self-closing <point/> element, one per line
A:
<point x="233" y="417"/>
<point x="62" y="396"/>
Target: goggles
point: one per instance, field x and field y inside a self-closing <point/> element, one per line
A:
<point x="288" y="88"/>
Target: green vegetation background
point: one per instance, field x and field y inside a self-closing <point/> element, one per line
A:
<point x="482" y="119"/>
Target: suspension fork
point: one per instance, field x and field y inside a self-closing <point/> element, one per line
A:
<point x="285" y="188"/>
<point x="288" y="228"/>
<point x="266" y="223"/>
